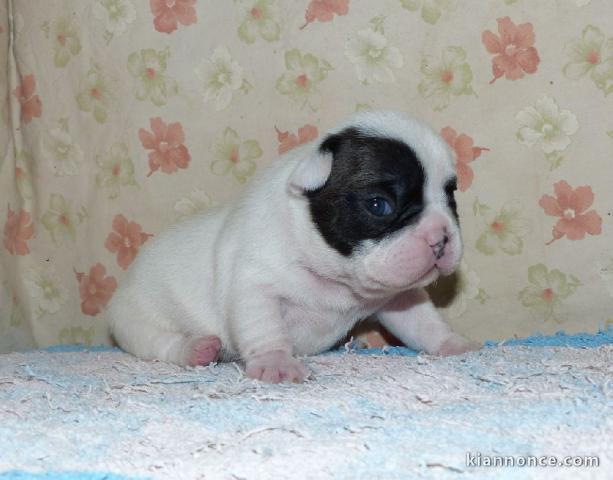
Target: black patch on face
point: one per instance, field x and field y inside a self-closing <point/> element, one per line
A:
<point x="364" y="168"/>
<point x="450" y="187"/>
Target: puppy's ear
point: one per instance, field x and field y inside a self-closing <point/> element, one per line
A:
<point x="312" y="172"/>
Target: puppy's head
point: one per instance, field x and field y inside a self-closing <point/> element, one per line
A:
<point x="380" y="191"/>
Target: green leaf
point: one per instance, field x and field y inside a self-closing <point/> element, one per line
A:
<point x="61" y="58"/>
<point x="99" y="114"/>
<point x="246" y="32"/>
<point x="555" y="160"/>
<point x="325" y="65"/>
<point x="430" y="13"/>
<point x="245" y="86"/>
<point x="292" y="58"/>
<point x="16" y="316"/>
<point x="482" y="296"/>
<point x="480" y="208"/>
<point x="362" y="106"/>
<point x="377" y="24"/>
<point x="486" y="243"/>
<point x="411" y="5"/>
<point x="82" y="215"/>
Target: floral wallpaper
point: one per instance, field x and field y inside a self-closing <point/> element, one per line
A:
<point x="120" y="117"/>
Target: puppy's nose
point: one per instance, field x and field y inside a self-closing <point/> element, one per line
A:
<point x="438" y="248"/>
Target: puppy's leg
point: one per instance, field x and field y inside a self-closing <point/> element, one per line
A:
<point x="262" y="340"/>
<point x="412" y="318"/>
<point x="147" y="339"/>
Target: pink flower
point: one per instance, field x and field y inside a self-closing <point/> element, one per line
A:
<point x="31" y="105"/>
<point x="95" y="289"/>
<point x="515" y="53"/>
<point x="324" y="10"/>
<point x="126" y="240"/>
<point x="17" y="231"/>
<point x="570" y="206"/>
<point x="287" y="140"/>
<point x="166" y="141"/>
<point x="168" y="13"/>
<point x="465" y="153"/>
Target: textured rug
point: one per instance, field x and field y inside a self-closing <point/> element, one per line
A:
<point x="71" y="413"/>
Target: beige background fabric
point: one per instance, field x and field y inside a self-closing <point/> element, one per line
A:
<point x="120" y="117"/>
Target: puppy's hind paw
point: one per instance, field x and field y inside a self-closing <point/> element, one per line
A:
<point x="202" y="350"/>
<point x="276" y="367"/>
<point x="456" y="345"/>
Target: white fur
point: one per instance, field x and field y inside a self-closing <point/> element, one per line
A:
<point x="257" y="273"/>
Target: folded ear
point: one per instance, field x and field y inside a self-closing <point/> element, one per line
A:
<point x="312" y="172"/>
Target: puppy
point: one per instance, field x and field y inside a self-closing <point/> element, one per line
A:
<point x="334" y="231"/>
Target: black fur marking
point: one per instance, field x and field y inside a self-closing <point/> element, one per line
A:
<point x="450" y="187"/>
<point x="364" y="167"/>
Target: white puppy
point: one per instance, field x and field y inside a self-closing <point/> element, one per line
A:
<point x="334" y="231"/>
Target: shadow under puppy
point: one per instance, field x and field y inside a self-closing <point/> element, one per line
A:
<point x="334" y="231"/>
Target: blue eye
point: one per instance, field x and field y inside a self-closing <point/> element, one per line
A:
<point x="378" y="206"/>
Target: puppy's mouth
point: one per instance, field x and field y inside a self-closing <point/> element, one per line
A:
<point x="445" y="270"/>
<point x="424" y="278"/>
<point x="428" y="277"/>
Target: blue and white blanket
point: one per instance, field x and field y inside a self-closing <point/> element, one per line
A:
<point x="97" y="413"/>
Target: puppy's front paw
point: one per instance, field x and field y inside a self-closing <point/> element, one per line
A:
<point x="276" y="366"/>
<point x="456" y="345"/>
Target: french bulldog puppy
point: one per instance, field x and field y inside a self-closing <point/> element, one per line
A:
<point x="334" y="231"/>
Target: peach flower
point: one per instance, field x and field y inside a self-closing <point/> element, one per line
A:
<point x="570" y="206"/>
<point x="515" y="53"/>
<point x="17" y="231"/>
<point x="287" y="140"/>
<point x="324" y="10"/>
<point x="126" y="240"/>
<point x="95" y="289"/>
<point x="31" y="106"/>
<point x="168" y="13"/>
<point x="465" y="153"/>
<point x="166" y="141"/>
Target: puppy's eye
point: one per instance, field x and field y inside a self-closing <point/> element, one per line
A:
<point x="379" y="206"/>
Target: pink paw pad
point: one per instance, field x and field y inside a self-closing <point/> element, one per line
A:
<point x="203" y="350"/>
<point x="456" y="345"/>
